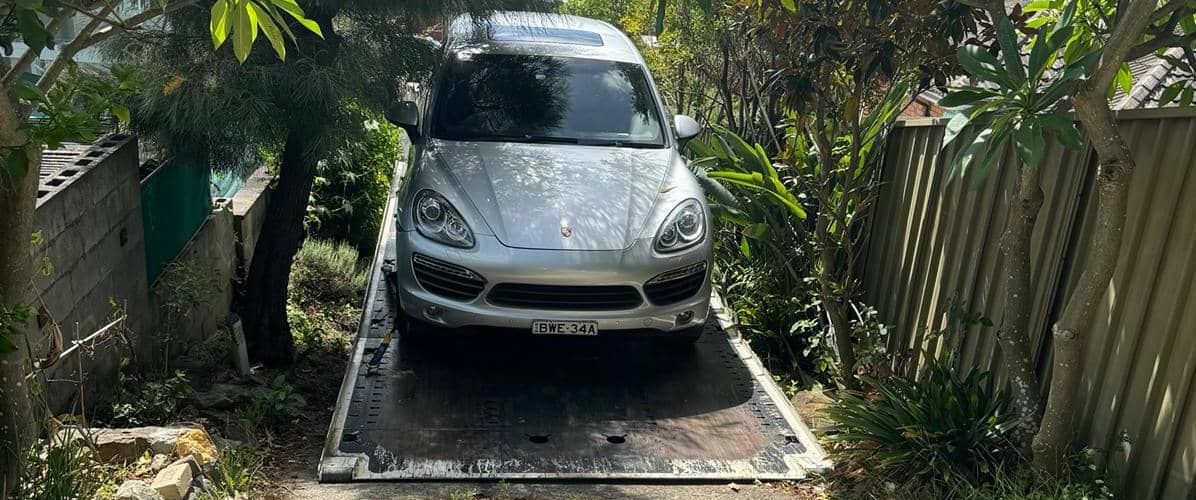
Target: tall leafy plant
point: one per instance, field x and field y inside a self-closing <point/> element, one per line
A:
<point x="839" y="166"/>
<point x="1017" y="104"/>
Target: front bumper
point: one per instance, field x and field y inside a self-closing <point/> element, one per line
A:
<point x="497" y="264"/>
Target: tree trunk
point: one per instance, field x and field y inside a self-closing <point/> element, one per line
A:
<point x="1014" y="333"/>
<point x="1116" y="165"/>
<point x="17" y="204"/>
<point x="263" y="295"/>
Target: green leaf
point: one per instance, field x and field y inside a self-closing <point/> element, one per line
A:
<point x="1011" y="51"/>
<point x="1064" y="129"/>
<point x="965" y="96"/>
<point x="1039" y="54"/>
<point x="981" y="64"/>
<point x="28" y="91"/>
<point x="121" y="113"/>
<point x="756" y="231"/>
<point x="271" y="30"/>
<point x="292" y="8"/>
<point x="789" y="4"/>
<point x="220" y="24"/>
<point x="1124" y="78"/>
<point x="963" y="159"/>
<point x="1030" y="142"/>
<point x="243" y="34"/>
<point x="954" y="127"/>
<point x="1171" y="93"/>
<point x="995" y="151"/>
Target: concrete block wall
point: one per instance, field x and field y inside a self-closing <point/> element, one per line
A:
<point x="92" y="255"/>
<point x="249" y="209"/>
<point x="92" y="252"/>
<point x="211" y="259"/>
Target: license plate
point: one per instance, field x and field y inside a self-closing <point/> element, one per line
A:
<point x="565" y="327"/>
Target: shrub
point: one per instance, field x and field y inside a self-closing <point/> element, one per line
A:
<point x="938" y="428"/>
<point x="275" y="406"/>
<point x="352" y="185"/>
<point x="151" y="401"/>
<point x="326" y="272"/>
<point x="234" y="474"/>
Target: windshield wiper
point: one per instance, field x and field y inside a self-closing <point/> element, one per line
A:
<point x="550" y="139"/>
<point x="623" y="144"/>
<point x="525" y="138"/>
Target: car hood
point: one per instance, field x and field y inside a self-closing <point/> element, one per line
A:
<point x="557" y="197"/>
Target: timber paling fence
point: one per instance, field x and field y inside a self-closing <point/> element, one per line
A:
<point x="934" y="242"/>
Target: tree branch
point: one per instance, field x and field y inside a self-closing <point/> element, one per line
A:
<point x="86" y="38"/>
<point x="137" y="20"/>
<point x="1131" y="24"/>
<point x="22" y="65"/>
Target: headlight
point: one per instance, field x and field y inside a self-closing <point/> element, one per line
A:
<point x="683" y="228"/>
<point x="438" y="220"/>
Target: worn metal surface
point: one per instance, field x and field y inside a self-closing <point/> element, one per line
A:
<point x="503" y="405"/>
<point x="932" y="240"/>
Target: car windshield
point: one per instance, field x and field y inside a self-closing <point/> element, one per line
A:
<point x="543" y="99"/>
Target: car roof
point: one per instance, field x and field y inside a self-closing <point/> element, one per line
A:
<point x="537" y="33"/>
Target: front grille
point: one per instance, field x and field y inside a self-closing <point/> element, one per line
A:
<point x="446" y="280"/>
<point x="676" y="285"/>
<point x="565" y="298"/>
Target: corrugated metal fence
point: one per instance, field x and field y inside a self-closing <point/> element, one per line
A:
<point x="934" y="242"/>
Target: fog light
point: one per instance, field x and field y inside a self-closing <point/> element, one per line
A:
<point x="685" y="317"/>
<point x="432" y="312"/>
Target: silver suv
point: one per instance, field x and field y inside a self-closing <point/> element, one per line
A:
<point x="546" y="191"/>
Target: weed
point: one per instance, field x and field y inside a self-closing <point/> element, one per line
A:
<point x="275" y="406"/>
<point x="153" y="402"/>
<point x="235" y="474"/>
<point x="66" y="469"/>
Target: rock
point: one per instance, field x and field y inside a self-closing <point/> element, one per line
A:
<point x="134" y="489"/>
<point x="224" y="397"/>
<point x="809" y="405"/>
<point x="174" y="482"/>
<point x="125" y="444"/>
<point x="196" y="443"/>
<point x="196" y="469"/>
<point x="159" y="462"/>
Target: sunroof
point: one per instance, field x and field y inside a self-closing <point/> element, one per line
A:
<point x="546" y="35"/>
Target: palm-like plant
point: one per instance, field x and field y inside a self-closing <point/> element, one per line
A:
<point x="1017" y="102"/>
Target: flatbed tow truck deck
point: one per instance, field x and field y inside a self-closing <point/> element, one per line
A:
<point x="491" y="405"/>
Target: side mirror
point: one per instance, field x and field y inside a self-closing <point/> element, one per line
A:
<point x="406" y="115"/>
<point x="687" y="128"/>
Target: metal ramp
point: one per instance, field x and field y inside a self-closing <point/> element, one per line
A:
<point x="490" y="405"/>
